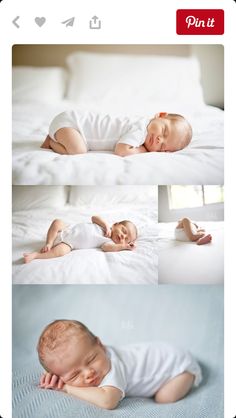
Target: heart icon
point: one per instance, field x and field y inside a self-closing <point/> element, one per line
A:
<point x="40" y="21"/>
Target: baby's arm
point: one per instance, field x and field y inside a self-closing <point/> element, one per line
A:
<point x="123" y="149"/>
<point x="112" y="247"/>
<point x="106" y="397"/>
<point x="103" y="224"/>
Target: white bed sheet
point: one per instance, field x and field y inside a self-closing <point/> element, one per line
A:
<point x="86" y="266"/>
<point x="187" y="262"/>
<point x="199" y="163"/>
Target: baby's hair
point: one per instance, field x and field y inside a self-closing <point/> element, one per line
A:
<point x="126" y="223"/>
<point x="56" y="334"/>
<point x="187" y="135"/>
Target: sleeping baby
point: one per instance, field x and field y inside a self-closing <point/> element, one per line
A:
<point x="61" y="238"/>
<point x="77" y="363"/>
<point x="75" y="132"/>
<point x="187" y="230"/>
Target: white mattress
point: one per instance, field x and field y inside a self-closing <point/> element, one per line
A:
<point x="199" y="163"/>
<point x="86" y="266"/>
<point x="187" y="262"/>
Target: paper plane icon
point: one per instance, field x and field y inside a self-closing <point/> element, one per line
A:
<point x="69" y="22"/>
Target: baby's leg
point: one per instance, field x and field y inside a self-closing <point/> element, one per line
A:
<point x="190" y="231"/>
<point x="56" y="226"/>
<point x="71" y="140"/>
<point x="58" y="148"/>
<point x="55" y="146"/>
<point x="57" y="251"/>
<point x="176" y="389"/>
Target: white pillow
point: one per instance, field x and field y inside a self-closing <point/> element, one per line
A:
<point x="111" y="196"/>
<point x="38" y="84"/>
<point x="135" y="83"/>
<point x="36" y="197"/>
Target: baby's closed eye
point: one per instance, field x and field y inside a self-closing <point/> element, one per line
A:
<point x="91" y="360"/>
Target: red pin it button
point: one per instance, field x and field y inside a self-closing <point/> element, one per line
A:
<point x="200" y="22"/>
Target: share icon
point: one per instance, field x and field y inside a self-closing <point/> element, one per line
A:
<point x="69" y="22"/>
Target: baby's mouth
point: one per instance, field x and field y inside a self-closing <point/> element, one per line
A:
<point x="95" y="381"/>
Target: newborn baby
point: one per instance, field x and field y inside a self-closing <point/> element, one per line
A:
<point x="61" y="239"/>
<point x="187" y="230"/>
<point x="77" y="363"/>
<point x="76" y="132"/>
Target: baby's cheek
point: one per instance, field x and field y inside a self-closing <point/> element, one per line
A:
<point x="75" y="382"/>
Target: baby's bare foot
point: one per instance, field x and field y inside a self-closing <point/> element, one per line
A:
<point x="204" y="240"/>
<point x="46" y="143"/>
<point x="198" y="236"/>
<point x="29" y="257"/>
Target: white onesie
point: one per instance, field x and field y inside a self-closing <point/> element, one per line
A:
<point x="180" y="235"/>
<point x="82" y="236"/>
<point x="102" y="132"/>
<point x="141" y="369"/>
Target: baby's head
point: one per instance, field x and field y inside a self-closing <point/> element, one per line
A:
<point x="69" y="350"/>
<point x="124" y="232"/>
<point x="167" y="132"/>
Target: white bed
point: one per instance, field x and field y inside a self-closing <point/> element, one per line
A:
<point x="84" y="266"/>
<point x="187" y="262"/>
<point x="98" y="82"/>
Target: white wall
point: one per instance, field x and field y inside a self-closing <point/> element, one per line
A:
<point x="211" y="58"/>
<point x="212" y="212"/>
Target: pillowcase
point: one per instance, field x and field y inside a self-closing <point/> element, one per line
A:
<point x="134" y="83"/>
<point x="36" y="197"/>
<point x="108" y="196"/>
<point x="38" y="84"/>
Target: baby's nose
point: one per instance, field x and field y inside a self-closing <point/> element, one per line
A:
<point x="89" y="374"/>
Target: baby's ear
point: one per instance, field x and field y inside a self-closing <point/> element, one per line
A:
<point x="161" y="115"/>
<point x="98" y="341"/>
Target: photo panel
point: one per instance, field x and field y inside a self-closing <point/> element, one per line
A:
<point x="86" y="101"/>
<point x="184" y="317"/>
<point x="85" y="234"/>
<point x="191" y="234"/>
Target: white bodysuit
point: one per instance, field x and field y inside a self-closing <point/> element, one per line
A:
<point x="102" y="132"/>
<point x="141" y="369"/>
<point x="180" y="235"/>
<point x="82" y="236"/>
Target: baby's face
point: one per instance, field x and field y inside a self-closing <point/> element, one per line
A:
<point x="81" y="362"/>
<point x="123" y="234"/>
<point x="163" y="135"/>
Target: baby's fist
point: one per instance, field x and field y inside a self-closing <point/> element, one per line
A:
<point x="46" y="248"/>
<point x="107" y="231"/>
<point x="130" y="246"/>
<point x="51" y="381"/>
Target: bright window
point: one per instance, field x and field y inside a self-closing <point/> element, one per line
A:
<point x="194" y="196"/>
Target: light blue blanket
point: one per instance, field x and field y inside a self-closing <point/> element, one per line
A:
<point x="190" y="316"/>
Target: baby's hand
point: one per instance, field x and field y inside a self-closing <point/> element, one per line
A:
<point x="130" y="246"/>
<point x="107" y="231"/>
<point x="46" y="248"/>
<point x="51" y="381"/>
